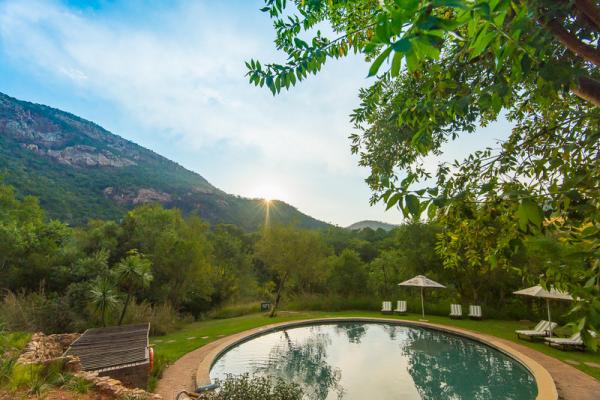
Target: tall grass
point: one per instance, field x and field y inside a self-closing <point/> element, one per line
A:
<point x="235" y="310"/>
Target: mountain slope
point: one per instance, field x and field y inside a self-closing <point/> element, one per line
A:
<point x="80" y="171"/>
<point x="357" y="226"/>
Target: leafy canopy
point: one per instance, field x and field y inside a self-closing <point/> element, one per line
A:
<point x="441" y="69"/>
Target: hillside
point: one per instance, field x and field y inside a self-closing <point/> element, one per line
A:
<point x="357" y="226"/>
<point x="80" y="171"/>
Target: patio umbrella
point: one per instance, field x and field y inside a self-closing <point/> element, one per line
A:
<point x="423" y="282"/>
<point x="552" y="294"/>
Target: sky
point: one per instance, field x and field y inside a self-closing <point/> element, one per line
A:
<point x="169" y="75"/>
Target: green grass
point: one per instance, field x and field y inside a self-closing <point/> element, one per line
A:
<point x="175" y="345"/>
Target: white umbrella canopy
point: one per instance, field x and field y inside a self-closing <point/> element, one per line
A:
<point x="552" y="294"/>
<point x="423" y="282"/>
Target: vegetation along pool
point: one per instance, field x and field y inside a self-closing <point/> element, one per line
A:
<point x="380" y="361"/>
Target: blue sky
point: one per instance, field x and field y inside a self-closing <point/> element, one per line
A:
<point x="169" y="75"/>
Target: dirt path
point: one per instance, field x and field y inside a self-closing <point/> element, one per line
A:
<point x="571" y="383"/>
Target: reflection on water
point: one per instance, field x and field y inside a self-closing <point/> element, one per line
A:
<point x="379" y="361"/>
<point x="450" y="367"/>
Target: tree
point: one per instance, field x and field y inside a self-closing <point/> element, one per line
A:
<point x="287" y="251"/>
<point x="103" y="297"/>
<point x="133" y="273"/>
<point x="348" y="274"/>
<point x="179" y="251"/>
<point x="477" y="244"/>
<point x="454" y="65"/>
<point x="232" y="264"/>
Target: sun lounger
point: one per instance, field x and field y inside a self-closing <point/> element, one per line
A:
<point x="541" y="330"/>
<point x="455" y="311"/>
<point x="400" y="307"/>
<point x="575" y="342"/>
<point x="386" y="307"/>
<point x="475" y="312"/>
<point x="571" y="343"/>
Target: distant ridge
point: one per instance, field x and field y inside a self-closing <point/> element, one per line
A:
<point x="80" y="171"/>
<point x="357" y="226"/>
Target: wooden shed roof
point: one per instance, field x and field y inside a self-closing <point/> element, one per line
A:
<point x="112" y="348"/>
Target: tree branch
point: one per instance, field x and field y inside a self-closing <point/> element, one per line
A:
<point x="572" y="42"/>
<point x="590" y="10"/>
<point x="588" y="89"/>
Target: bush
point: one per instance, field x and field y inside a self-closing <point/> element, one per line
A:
<point x="161" y="362"/>
<point x="235" y="310"/>
<point x="163" y="318"/>
<point x="77" y="385"/>
<point x="316" y="302"/>
<point x="245" y="387"/>
<point x="35" y="312"/>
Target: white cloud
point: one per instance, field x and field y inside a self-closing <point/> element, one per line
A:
<point x="177" y="73"/>
<point x="185" y="78"/>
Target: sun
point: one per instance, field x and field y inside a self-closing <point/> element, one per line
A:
<point x="268" y="192"/>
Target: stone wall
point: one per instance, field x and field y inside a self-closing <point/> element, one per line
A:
<point x="132" y="377"/>
<point x="43" y="349"/>
<point x="114" y="387"/>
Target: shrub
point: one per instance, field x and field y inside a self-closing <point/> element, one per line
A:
<point x="235" y="310"/>
<point x="245" y="387"/>
<point x="77" y="385"/>
<point x="35" y="312"/>
<point x="28" y="377"/>
<point x="163" y="318"/>
<point x="161" y="362"/>
<point x="317" y="302"/>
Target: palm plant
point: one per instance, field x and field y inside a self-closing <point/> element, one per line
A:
<point x="133" y="273"/>
<point x="103" y="296"/>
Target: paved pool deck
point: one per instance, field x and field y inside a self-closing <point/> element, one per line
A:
<point x="555" y="379"/>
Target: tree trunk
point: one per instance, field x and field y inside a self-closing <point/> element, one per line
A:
<point x="572" y="42"/>
<point x="278" y="297"/>
<point x="124" y="308"/>
<point x="590" y="10"/>
<point x="588" y="89"/>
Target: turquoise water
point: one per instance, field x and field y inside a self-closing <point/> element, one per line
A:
<point x="356" y="361"/>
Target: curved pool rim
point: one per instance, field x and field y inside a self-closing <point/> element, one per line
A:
<point x="545" y="384"/>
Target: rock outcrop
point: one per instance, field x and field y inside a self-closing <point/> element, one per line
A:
<point x="81" y="156"/>
<point x="136" y="197"/>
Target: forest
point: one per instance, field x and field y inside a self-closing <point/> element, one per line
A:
<point x="160" y="266"/>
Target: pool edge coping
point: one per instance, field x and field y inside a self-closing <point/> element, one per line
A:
<point x="544" y="381"/>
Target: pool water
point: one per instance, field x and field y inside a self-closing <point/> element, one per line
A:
<point x="356" y="361"/>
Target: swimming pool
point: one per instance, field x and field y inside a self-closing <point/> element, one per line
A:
<point x="367" y="360"/>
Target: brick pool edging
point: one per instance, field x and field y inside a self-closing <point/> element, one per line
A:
<point x="544" y="382"/>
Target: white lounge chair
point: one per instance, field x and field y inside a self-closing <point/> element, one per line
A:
<point x="386" y="307"/>
<point x="541" y="330"/>
<point x="400" y="307"/>
<point x="575" y="342"/>
<point x="455" y="311"/>
<point x="475" y="312"/>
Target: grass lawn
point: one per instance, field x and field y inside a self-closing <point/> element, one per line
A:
<point x="197" y="334"/>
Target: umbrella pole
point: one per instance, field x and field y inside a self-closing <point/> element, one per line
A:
<point x="422" y="304"/>
<point x="549" y="317"/>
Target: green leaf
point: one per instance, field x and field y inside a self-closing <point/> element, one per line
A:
<point x="426" y="49"/>
<point x="529" y="211"/>
<point x="432" y="211"/>
<point x="393" y="200"/>
<point x="402" y="46"/>
<point x="396" y="64"/>
<point x="378" y="61"/>
<point x="412" y="203"/>
<point x="412" y="62"/>
<point x="481" y="43"/>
